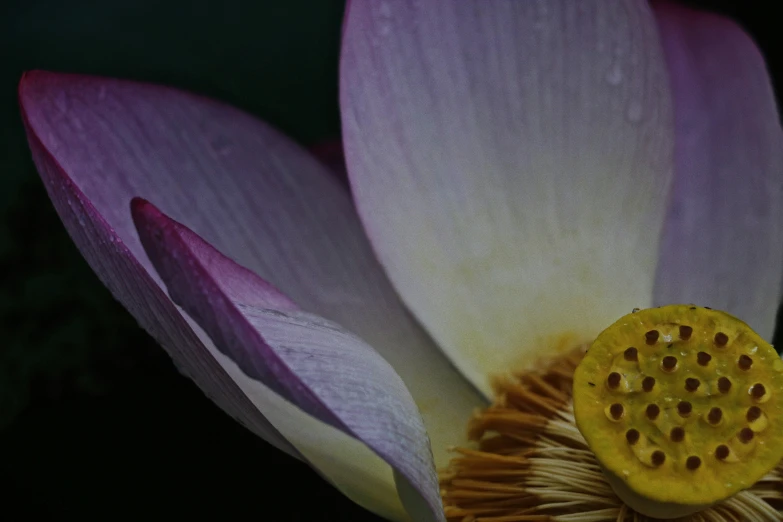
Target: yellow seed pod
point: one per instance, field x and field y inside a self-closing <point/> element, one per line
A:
<point x="682" y="406"/>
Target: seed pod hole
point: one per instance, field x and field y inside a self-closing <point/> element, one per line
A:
<point x="744" y="362"/>
<point x="745" y="435"/>
<point x="722" y="452"/>
<point x="685" y="332"/>
<point x="651" y="337"/>
<point x="715" y="415"/>
<point x="703" y="358"/>
<point x="721" y="339"/>
<point x="677" y="434"/>
<point x="652" y="411"/>
<point x="692" y="384"/>
<point x="724" y="385"/>
<point x="616" y="410"/>
<point x="613" y="380"/>
<point x="757" y="391"/>
<point x="669" y="363"/>
<point x="684" y="408"/>
<point x="658" y="458"/>
<point x="632" y="436"/>
<point x="693" y="462"/>
<point x="753" y="413"/>
<point x="631" y="354"/>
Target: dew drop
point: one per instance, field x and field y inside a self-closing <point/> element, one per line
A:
<point x="634" y="111"/>
<point x="614" y="76"/>
<point x="758" y="391"/>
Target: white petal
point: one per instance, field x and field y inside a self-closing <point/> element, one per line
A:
<point x="510" y="162"/>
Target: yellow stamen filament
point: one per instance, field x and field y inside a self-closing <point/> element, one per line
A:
<point x="531" y="463"/>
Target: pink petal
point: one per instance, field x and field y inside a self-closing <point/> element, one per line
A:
<point x="510" y="162"/>
<point x="247" y="190"/>
<point x="314" y="363"/>
<point x="330" y="153"/>
<point x="723" y="240"/>
<point x="110" y="254"/>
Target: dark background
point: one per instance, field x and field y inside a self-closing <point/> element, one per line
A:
<point x="95" y="422"/>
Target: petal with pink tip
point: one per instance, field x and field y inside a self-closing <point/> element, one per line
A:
<point x="250" y="192"/>
<point x="309" y="361"/>
<point x="723" y="239"/>
<point x="511" y="164"/>
<point x="256" y="196"/>
<point x="119" y="268"/>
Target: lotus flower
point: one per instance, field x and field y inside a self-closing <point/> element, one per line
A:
<point x="522" y="173"/>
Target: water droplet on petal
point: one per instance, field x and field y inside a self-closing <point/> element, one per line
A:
<point x="614" y="76"/>
<point x="634" y="111"/>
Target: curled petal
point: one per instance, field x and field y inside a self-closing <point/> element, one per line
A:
<point x="313" y="363"/>
<point x="723" y="239"/>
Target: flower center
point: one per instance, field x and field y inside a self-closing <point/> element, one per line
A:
<point x="670" y="412"/>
